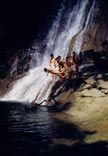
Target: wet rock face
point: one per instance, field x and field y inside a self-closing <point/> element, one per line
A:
<point x="87" y="95"/>
<point x="95" y="35"/>
<point x="96" y="38"/>
<point x="94" y="46"/>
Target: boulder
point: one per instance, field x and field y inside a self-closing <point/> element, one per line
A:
<point x="92" y="93"/>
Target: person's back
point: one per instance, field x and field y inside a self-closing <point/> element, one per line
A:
<point x="53" y="62"/>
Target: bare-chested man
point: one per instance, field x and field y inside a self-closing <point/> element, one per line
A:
<point x="69" y="63"/>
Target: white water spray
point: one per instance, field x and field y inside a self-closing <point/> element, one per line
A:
<point x="37" y="83"/>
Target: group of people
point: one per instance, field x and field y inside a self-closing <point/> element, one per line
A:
<point x="64" y="69"/>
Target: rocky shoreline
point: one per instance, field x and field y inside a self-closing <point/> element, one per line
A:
<point x="87" y="93"/>
<point x="84" y="101"/>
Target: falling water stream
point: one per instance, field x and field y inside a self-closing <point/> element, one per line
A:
<point x="68" y="22"/>
<point x="78" y="43"/>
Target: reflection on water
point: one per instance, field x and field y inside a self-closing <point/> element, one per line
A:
<point x="34" y="131"/>
<point x="26" y="130"/>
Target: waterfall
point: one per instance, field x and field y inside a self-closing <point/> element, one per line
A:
<point x="60" y="43"/>
<point x="78" y="43"/>
<point x="68" y="22"/>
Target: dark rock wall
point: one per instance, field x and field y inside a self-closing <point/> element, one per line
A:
<point x="96" y="34"/>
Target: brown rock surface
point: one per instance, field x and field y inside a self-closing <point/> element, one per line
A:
<point x="88" y="112"/>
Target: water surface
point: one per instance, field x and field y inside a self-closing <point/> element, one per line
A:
<point x="36" y="131"/>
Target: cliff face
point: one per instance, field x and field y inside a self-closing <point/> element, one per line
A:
<point x="95" y="35"/>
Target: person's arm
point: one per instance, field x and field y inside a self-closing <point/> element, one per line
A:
<point x="47" y="73"/>
<point x="56" y="64"/>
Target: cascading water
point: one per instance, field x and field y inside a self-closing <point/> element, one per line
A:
<point x="37" y="84"/>
<point x="62" y="41"/>
<point x="78" y="43"/>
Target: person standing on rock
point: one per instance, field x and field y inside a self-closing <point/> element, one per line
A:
<point x="53" y="65"/>
<point x="76" y="60"/>
<point x="69" y="63"/>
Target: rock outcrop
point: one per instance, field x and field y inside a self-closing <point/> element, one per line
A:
<point x="95" y="35"/>
<point x="84" y="97"/>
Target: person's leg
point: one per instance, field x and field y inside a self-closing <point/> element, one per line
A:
<point x="53" y="75"/>
<point x="77" y="70"/>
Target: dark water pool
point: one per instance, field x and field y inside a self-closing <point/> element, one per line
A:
<point x="26" y="131"/>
